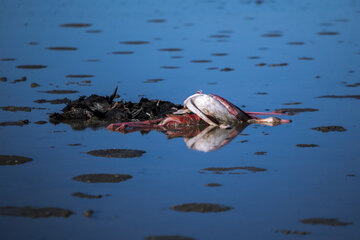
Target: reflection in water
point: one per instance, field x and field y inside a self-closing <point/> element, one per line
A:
<point x="204" y="138"/>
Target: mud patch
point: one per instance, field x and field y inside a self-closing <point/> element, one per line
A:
<point x="278" y="65"/>
<point x="16" y="109"/>
<point x="3" y="79"/>
<point x="213" y="185"/>
<point x="54" y="101"/>
<point x="170" y="49"/>
<point x="296" y="43"/>
<point x="306" y="58"/>
<point x="260" y="64"/>
<point x="201" y="207"/>
<point x="102" y="178"/>
<point x="23" y="79"/>
<point x="292" y="111"/>
<point x="8" y="59"/>
<point x="33" y="212"/>
<point x="260" y="153"/>
<point x="353" y="85"/>
<point x="287" y="232"/>
<point x="79" y="76"/>
<point x="220" y="170"/>
<point x="328" y="33"/>
<point x="302" y="145"/>
<point x="40" y="122"/>
<point x="117" y="153"/>
<point x="325" y="221"/>
<point x="31" y="66"/>
<point x="59" y="48"/>
<point x="339" y="96"/>
<point x="75" y="25"/>
<point x="84" y="195"/>
<point x="227" y="69"/>
<point x="274" y="34"/>
<point x="169" y="237"/>
<point x="6" y="160"/>
<point x="156" y="20"/>
<point x="123" y="52"/>
<point x="135" y="42"/>
<point x="201" y="61"/>
<point x="74" y="144"/>
<point x="60" y="91"/>
<point x="170" y="67"/>
<point x="219" y="54"/>
<point x="292" y="103"/>
<point x="155" y="80"/>
<point x="34" y="85"/>
<point x="330" y="129"/>
<point x="14" y="123"/>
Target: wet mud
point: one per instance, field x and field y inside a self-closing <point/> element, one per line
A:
<point x="328" y="33"/>
<point x="84" y="195"/>
<point x="60" y="91"/>
<point x="219" y="54"/>
<point x="34" y="85"/>
<point x="3" y="79"/>
<point x="296" y="43"/>
<point x="227" y="69"/>
<point x="213" y="185"/>
<point x="272" y="35"/>
<point x="53" y="101"/>
<point x="117" y="153"/>
<point x="75" y="25"/>
<point x="33" y="212"/>
<point x="302" y="145"/>
<point x="6" y="160"/>
<point x="102" y="178"/>
<point x="170" y="67"/>
<point x="23" y="79"/>
<point x="201" y="207"/>
<point x="325" y="221"/>
<point x="353" y="85"/>
<point x="14" y="123"/>
<point x="40" y="122"/>
<point x="8" y="59"/>
<point x="220" y="170"/>
<point x="341" y="96"/>
<point x="201" y="61"/>
<point x="278" y="65"/>
<point x="170" y="49"/>
<point x="98" y="111"/>
<point x="79" y="76"/>
<point x="31" y="66"/>
<point x="123" y="52"/>
<point x="295" y="232"/>
<point x="155" y="80"/>
<point x="62" y="48"/>
<point x="292" y="111"/>
<point x="156" y="20"/>
<point x="306" y="58"/>
<point x="16" y="109"/>
<point x="326" y="129"/>
<point x="260" y="153"/>
<point x="169" y="237"/>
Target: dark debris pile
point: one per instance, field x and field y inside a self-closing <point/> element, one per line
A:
<point x="98" y="111"/>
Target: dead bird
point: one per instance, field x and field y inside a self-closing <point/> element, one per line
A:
<point x="202" y="109"/>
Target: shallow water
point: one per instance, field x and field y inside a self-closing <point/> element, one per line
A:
<point x="280" y="52"/>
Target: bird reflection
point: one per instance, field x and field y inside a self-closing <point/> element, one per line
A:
<point x="202" y="137"/>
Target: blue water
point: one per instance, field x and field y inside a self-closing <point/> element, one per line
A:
<point x="299" y="183"/>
